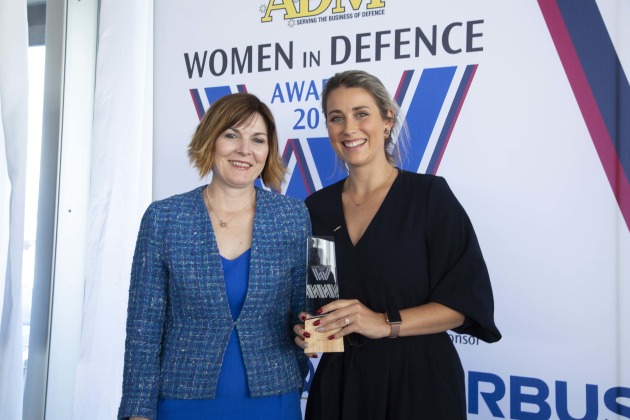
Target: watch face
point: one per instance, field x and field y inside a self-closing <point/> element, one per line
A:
<point x="393" y="317"/>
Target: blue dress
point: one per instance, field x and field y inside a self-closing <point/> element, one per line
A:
<point x="232" y="399"/>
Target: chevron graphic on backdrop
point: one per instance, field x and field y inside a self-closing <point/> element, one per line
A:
<point x="431" y="100"/>
<point x="599" y="84"/>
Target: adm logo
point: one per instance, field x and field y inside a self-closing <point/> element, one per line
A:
<point x="431" y="100"/>
<point x="303" y="8"/>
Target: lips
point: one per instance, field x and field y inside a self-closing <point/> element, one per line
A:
<point x="354" y="143"/>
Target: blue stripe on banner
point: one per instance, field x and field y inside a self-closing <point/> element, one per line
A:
<point x="451" y="119"/>
<point x="401" y="92"/>
<point x="424" y="110"/>
<point x="216" y="92"/>
<point x="603" y="70"/>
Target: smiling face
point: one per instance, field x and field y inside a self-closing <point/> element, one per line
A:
<point x="356" y="127"/>
<point x="241" y="152"/>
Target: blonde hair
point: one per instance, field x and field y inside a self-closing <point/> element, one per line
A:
<point x="394" y="151"/>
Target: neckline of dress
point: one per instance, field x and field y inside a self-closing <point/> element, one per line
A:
<point x="234" y="260"/>
<point x="378" y="211"/>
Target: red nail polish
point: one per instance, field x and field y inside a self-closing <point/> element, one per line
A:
<point x="319" y="311"/>
<point x="331" y="337"/>
<point x="316" y="323"/>
<point x="303" y="318"/>
<point x="313" y="356"/>
<point x="307" y="334"/>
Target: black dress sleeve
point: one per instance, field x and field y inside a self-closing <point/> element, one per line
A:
<point x="458" y="274"/>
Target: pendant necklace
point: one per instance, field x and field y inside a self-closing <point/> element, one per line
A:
<point x="224" y="223"/>
<point x="368" y="195"/>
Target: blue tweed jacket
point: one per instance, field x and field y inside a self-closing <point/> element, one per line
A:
<point x="179" y="321"/>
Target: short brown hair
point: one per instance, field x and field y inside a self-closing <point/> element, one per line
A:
<point x="231" y="111"/>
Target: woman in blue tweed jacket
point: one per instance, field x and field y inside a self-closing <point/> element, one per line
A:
<point x="218" y="281"/>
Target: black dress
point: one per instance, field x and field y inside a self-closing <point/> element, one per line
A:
<point x="420" y="247"/>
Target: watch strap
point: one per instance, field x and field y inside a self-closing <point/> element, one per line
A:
<point x="394" y="320"/>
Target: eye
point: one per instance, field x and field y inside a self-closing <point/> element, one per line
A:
<point x="335" y="118"/>
<point x="230" y="135"/>
<point x="361" y="115"/>
<point x="259" y="140"/>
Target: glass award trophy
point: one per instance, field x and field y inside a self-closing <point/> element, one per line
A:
<point x="321" y="288"/>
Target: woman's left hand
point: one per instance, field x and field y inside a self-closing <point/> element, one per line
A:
<point x="352" y="317"/>
<point x="300" y="334"/>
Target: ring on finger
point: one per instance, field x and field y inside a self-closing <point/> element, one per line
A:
<point x="346" y="321"/>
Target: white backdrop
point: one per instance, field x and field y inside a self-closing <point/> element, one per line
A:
<point x="499" y="94"/>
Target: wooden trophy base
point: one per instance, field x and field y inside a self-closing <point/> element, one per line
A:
<point x="318" y="342"/>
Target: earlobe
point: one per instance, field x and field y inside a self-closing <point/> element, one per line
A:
<point x="389" y="122"/>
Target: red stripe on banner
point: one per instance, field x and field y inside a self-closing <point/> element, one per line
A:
<point x="586" y="101"/>
<point x="402" y="86"/>
<point x="294" y="145"/>
<point x="194" y="93"/>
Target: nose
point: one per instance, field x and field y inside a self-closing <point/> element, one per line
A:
<point x="350" y="126"/>
<point x="244" y="147"/>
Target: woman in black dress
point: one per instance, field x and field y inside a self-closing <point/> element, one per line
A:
<point x="409" y="269"/>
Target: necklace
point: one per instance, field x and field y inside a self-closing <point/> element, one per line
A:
<point x="368" y="196"/>
<point x="353" y="200"/>
<point x="224" y="223"/>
